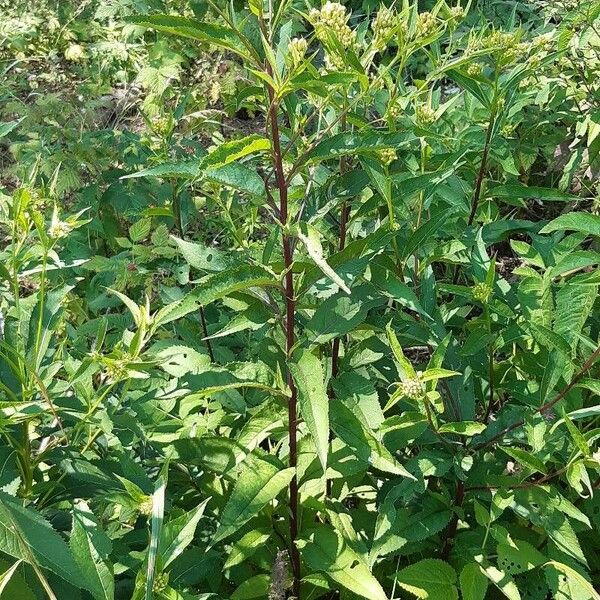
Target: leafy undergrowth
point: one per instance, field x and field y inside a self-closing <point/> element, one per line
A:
<point x="348" y="349"/>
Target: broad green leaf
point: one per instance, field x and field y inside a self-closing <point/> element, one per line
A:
<point x="234" y="150"/>
<point x="587" y="223"/>
<point x="574" y="577"/>
<point x="327" y="551"/>
<point x="245" y="547"/>
<point x="363" y="442"/>
<point x="473" y="583"/>
<point x="468" y="428"/>
<point x="26" y="536"/>
<point x="308" y="375"/>
<point x="140" y="230"/>
<point x="429" y="578"/>
<point x="436" y="373"/>
<point x="503" y="581"/>
<point x="259" y="482"/>
<point x="214" y="453"/>
<point x="202" y="257"/>
<point x="253" y="587"/>
<point x="91" y="548"/>
<point x="425" y="232"/>
<point x="7" y="127"/>
<point x="518" y="556"/>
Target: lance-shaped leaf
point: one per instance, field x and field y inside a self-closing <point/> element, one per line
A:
<point x="178" y="533"/>
<point x="311" y="239"/>
<point x="91" y="548"/>
<point x="587" y="223"/>
<point x="25" y="535"/>
<point x="211" y="33"/>
<point x="261" y="480"/>
<point x="363" y="442"/>
<point x="307" y="372"/>
<point x="218" y="286"/>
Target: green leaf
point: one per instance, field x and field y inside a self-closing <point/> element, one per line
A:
<point x="202" y="257"/>
<point x="429" y="578"/>
<point x="363" y="442"/>
<point x="578" y="581"/>
<point x="407" y="371"/>
<point x="311" y="238"/>
<point x="245" y="547"/>
<point x="468" y="428"/>
<point x="259" y="482"/>
<point x="425" y="232"/>
<point x="140" y="230"/>
<point x="473" y="583"/>
<point x="327" y="551"/>
<point x="308" y="375"/>
<point x="218" y="286"/>
<point x="234" y="150"/>
<point x="178" y="533"/>
<point x="526" y="459"/>
<point x="518" y="556"/>
<point x="210" y="33"/>
<point x="6" y="128"/>
<point x="518" y="190"/>
<point x="26" y="536"/>
<point x="575" y="221"/>
<point x="158" y="513"/>
<point x="91" y="548"/>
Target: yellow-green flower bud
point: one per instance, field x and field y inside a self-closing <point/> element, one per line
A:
<point x="298" y="47"/>
<point x="383" y="27"/>
<point x="387" y="156"/>
<point x="424" y="114"/>
<point x="413" y="388"/>
<point x="481" y="291"/>
<point x="426" y="25"/>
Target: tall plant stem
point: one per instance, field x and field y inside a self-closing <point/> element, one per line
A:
<point x="482" y="168"/>
<point x="290" y="335"/>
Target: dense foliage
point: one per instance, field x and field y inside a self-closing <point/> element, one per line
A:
<point x="299" y="300"/>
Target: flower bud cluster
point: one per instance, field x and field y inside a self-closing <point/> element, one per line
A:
<point x="387" y="156"/>
<point x="298" y="47"/>
<point x="481" y="292"/>
<point x="426" y="25"/>
<point x="475" y="69"/>
<point x="332" y="20"/>
<point x="59" y="229"/>
<point x="424" y="114"/>
<point x="383" y="27"/>
<point x="394" y="110"/>
<point x="413" y="388"/>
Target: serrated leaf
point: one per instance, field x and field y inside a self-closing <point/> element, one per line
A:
<point x="91" y="548"/>
<point x="178" y="533"/>
<point x="518" y="556"/>
<point x="311" y="238"/>
<point x="587" y="223"/>
<point x="218" y="286"/>
<point x="234" y="150"/>
<point x="202" y="31"/>
<point x="202" y="257"/>
<point x="140" y="230"/>
<point x="308" y="375"/>
<point x="26" y="536"/>
<point x="430" y="578"/>
<point x="473" y="583"/>
<point x="326" y="551"/>
<point x="526" y="459"/>
<point x="259" y="482"/>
